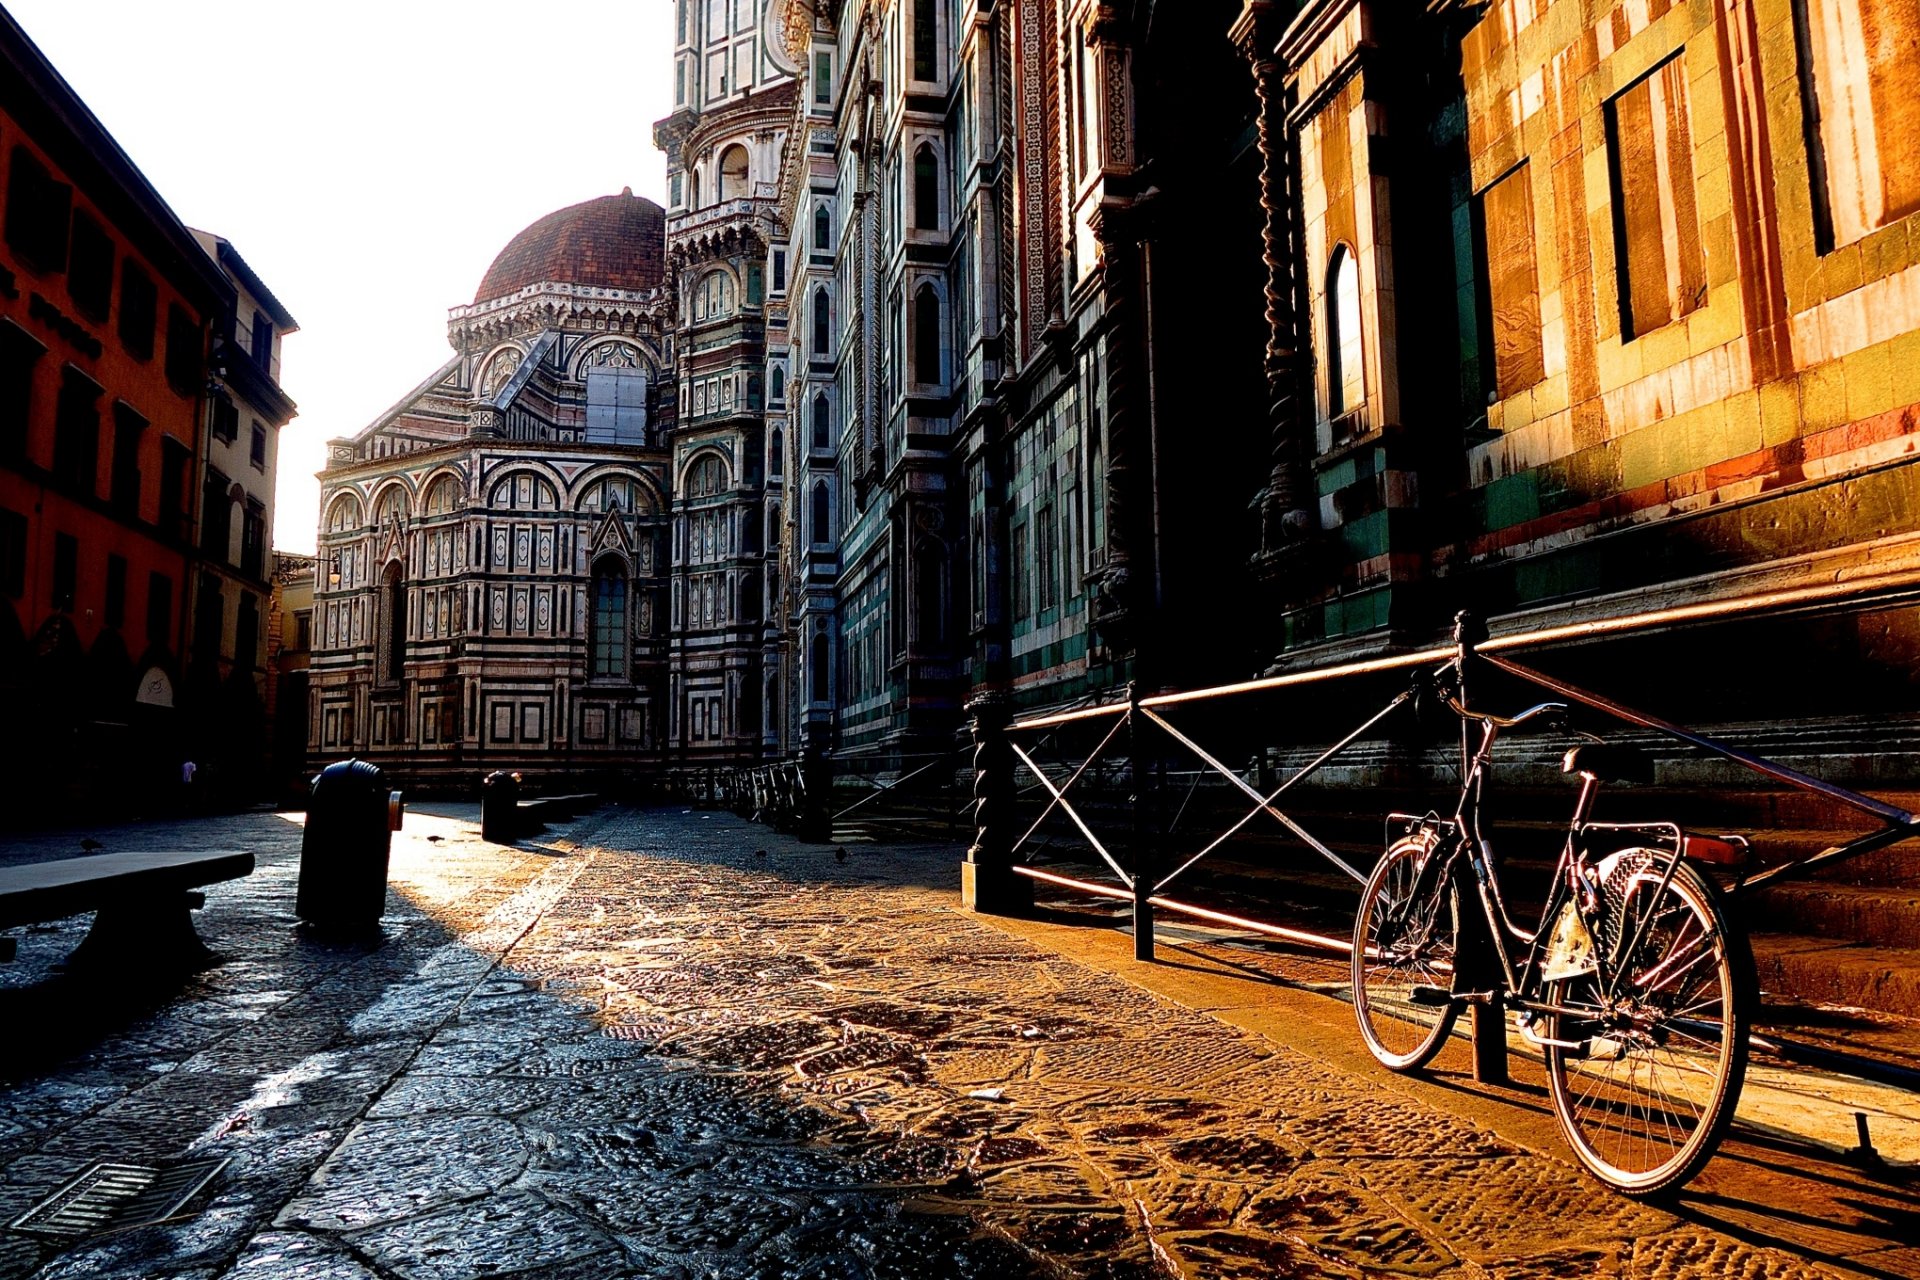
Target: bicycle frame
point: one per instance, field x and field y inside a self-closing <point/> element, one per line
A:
<point x="1523" y="986"/>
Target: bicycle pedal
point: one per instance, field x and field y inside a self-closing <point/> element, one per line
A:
<point x="1431" y="997"/>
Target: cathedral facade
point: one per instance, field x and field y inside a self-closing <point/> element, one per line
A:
<point x="493" y="570"/>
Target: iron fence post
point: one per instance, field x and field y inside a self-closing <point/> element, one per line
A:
<point x="815" y="824"/>
<point x="1489" y="1010"/>
<point x="988" y="882"/>
<point x="1142" y="859"/>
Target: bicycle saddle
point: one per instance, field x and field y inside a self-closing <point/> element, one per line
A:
<point x="1608" y="762"/>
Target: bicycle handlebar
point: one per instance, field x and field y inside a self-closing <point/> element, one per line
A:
<point x="1504" y="722"/>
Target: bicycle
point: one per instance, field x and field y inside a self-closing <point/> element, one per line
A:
<point x="1635" y="984"/>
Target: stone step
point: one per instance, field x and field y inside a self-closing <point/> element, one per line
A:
<point x="1830" y="971"/>
<point x="1837" y="912"/>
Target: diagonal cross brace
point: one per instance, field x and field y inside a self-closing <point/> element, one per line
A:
<point x="1059" y="798"/>
<point x="1262" y="801"/>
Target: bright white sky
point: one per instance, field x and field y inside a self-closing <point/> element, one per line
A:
<point x="368" y="159"/>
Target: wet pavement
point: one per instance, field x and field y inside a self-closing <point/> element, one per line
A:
<point x="671" y="1044"/>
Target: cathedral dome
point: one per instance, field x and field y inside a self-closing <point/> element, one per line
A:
<point x="613" y="242"/>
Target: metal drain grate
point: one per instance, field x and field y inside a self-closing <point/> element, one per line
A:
<point x="110" y="1196"/>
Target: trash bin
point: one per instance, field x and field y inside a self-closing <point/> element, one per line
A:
<point x="351" y="818"/>
<point x="500" y="807"/>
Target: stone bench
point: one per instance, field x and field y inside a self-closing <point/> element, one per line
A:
<point x="142" y="903"/>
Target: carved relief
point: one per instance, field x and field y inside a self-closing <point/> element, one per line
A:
<point x="498" y="370"/>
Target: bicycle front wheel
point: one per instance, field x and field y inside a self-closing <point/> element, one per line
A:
<point x="1658" y="1035"/>
<point x="1403" y="957"/>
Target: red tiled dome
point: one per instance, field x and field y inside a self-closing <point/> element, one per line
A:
<point x="614" y="242"/>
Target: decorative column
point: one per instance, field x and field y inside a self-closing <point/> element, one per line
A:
<point x="1286" y="519"/>
<point x="988" y="882"/>
<point x="1122" y="590"/>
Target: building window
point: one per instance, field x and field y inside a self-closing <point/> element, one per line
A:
<point x="76" y="433"/>
<point x="1658" y="263"/>
<point x="779" y="270"/>
<point x="713" y="297"/>
<point x="733" y="173"/>
<point x="209" y="619"/>
<point x="822" y="230"/>
<point x="777" y="452"/>
<point x="223" y="420"/>
<point x="823" y="78"/>
<point x="779" y="395"/>
<point x="1346" y="384"/>
<point x="115" y="613"/>
<point x="926" y="335"/>
<point x="128" y="429"/>
<point x="1513" y="291"/>
<point x="262" y="341"/>
<point x="608" y="638"/>
<point x="819" y="529"/>
<point x="926" y="190"/>
<point x="1862" y="104"/>
<point x="253" y="541"/>
<point x="13" y="554"/>
<point x="393" y="630"/>
<point x="139" y="305"/>
<point x="159" y="610"/>
<point x="66" y="571"/>
<point x="38" y="207"/>
<point x="822" y="421"/>
<point x="1022" y="574"/>
<point x="216" y="516"/>
<point x="302" y="631"/>
<point x="257" y="452"/>
<point x="186" y="356"/>
<point x="924" y="42"/>
<point x="817" y="669"/>
<point x="174" y="458"/>
<point x="822" y="322"/>
<point x="707" y="476"/>
<point x="19" y="354"/>
<point x="756" y="284"/>
<point x="90" y="269"/>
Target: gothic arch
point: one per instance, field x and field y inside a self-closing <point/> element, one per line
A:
<point x="699" y="456"/>
<point x="597" y="351"/>
<point x="657" y="501"/>
<point x="387" y="491"/>
<point x="436" y="483"/>
<point x="345" y="513"/>
<point x="493" y="372"/>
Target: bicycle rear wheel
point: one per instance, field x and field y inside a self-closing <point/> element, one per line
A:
<point x="1662" y="1043"/>
<point x="1403" y="957"/>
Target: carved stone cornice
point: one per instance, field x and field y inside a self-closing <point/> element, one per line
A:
<point x="553" y="305"/>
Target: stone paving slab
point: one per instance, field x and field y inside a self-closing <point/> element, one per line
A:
<point x="672" y="1044"/>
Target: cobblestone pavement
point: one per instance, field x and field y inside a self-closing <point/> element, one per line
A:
<point x="669" y="1044"/>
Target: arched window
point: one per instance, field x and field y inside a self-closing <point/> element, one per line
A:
<point x="733" y="173"/>
<point x="393" y="615"/>
<point x="344" y="514"/>
<point x="926" y="190"/>
<point x="773" y="528"/>
<point x="926" y="335"/>
<point x="607" y="632"/>
<point x="777" y="453"/>
<point x="444" y="497"/>
<point x="707" y="476"/>
<point x="822" y="422"/>
<point x="818" y="669"/>
<point x="391" y="503"/>
<point x="753" y="392"/>
<point x="822" y="230"/>
<point x="694" y="188"/>
<point x="713" y="296"/>
<point x="819" y="528"/>
<point x="822" y="322"/>
<point x="1346" y="383"/>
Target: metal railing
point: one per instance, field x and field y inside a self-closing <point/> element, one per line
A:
<point x="1002" y="857"/>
